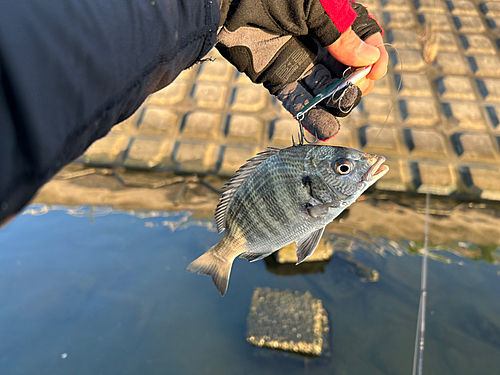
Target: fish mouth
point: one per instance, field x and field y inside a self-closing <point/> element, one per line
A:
<point x="376" y="171"/>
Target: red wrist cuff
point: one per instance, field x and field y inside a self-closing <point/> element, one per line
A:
<point x="378" y="24"/>
<point x="340" y="12"/>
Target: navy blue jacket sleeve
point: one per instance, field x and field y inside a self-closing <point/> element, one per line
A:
<point x="71" y="69"/>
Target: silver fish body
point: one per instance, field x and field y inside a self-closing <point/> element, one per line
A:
<point x="285" y="196"/>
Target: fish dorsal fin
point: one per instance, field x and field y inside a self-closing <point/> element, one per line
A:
<point x="306" y="246"/>
<point x="234" y="183"/>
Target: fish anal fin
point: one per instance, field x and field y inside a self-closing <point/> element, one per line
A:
<point x="253" y="257"/>
<point x="305" y="246"/>
<point x="235" y="182"/>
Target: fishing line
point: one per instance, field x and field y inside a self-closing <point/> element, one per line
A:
<point x="418" y="355"/>
<point x="400" y="85"/>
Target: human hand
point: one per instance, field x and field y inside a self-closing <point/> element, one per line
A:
<point x="321" y="121"/>
<point x="364" y="37"/>
<point x="370" y="52"/>
<point x="280" y="43"/>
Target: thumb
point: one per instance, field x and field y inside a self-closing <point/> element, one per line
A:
<point x="350" y="50"/>
<point x="319" y="122"/>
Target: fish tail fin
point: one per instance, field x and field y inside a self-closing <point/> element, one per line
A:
<point x="214" y="265"/>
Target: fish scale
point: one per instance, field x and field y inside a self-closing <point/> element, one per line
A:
<point x="259" y="226"/>
<point x="285" y="196"/>
<point x="264" y="196"/>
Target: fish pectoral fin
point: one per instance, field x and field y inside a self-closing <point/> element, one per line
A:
<point x="321" y="209"/>
<point x="252" y="257"/>
<point x="305" y="246"/>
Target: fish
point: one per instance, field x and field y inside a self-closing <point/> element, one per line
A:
<point x="282" y="196"/>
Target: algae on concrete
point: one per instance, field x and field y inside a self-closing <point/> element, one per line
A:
<point x="287" y="320"/>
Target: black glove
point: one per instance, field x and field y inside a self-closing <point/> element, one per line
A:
<point x="279" y="43"/>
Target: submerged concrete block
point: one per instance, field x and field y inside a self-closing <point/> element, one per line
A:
<point x="378" y="139"/>
<point x="489" y="89"/>
<point x="232" y="158"/>
<point x="218" y="70"/>
<point x="440" y="22"/>
<point x="403" y="38"/>
<point x="418" y="111"/>
<point x="323" y="252"/>
<point x="469" y="24"/>
<point x="473" y="146"/>
<point x="455" y="87"/>
<point x="192" y="156"/>
<point x="146" y="153"/>
<point x="201" y="124"/>
<point x="407" y="60"/>
<point x="157" y="120"/>
<point x="413" y="84"/>
<point x="398" y="19"/>
<point x="490" y="9"/>
<point x="451" y="63"/>
<point x="287" y="320"/>
<point x="209" y="95"/>
<point x="433" y="178"/>
<point x="390" y="5"/>
<point x="477" y="43"/>
<point x="465" y="114"/>
<point x="378" y="109"/>
<point x="462" y="7"/>
<point x="424" y="142"/>
<point x="248" y="98"/>
<point x="485" y="65"/>
<point x="241" y="129"/>
<point x="106" y="150"/>
<point x="172" y="94"/>
<point x="447" y="41"/>
<point x="393" y="181"/>
<point x="435" y="6"/>
<point x="365" y="273"/>
<point x="485" y="182"/>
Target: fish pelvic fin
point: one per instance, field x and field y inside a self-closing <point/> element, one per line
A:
<point x="214" y="265"/>
<point x="305" y="246"/>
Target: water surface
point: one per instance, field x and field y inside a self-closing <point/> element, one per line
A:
<point x="105" y="292"/>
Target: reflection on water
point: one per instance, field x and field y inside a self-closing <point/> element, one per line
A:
<point x="290" y="269"/>
<point x="88" y="291"/>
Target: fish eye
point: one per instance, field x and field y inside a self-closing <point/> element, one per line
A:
<point x="343" y="167"/>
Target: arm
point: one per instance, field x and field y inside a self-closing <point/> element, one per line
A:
<point x="71" y="69"/>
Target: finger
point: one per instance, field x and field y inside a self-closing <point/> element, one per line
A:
<point x="366" y="86"/>
<point x="379" y="69"/>
<point x="317" y="121"/>
<point x="320" y="123"/>
<point x="350" y="50"/>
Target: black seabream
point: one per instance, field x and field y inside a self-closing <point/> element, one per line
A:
<point x="282" y="196"/>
